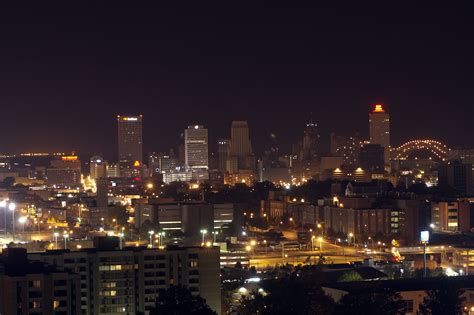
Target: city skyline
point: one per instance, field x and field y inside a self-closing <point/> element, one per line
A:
<point x="335" y="62"/>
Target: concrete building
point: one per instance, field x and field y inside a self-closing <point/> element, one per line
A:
<point x="98" y="167"/>
<point x="196" y="149"/>
<point x="458" y="176"/>
<point x="452" y="216"/>
<point x="130" y="139"/>
<point x="379" y="129"/>
<point x="65" y="171"/>
<point x="127" y="281"/>
<point x="35" y="288"/>
<point x="222" y="154"/>
<point x="371" y="159"/>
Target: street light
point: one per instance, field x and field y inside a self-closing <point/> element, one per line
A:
<point x="215" y="235"/>
<point x="151" y="237"/>
<point x="320" y="240"/>
<point x="22" y="221"/>
<point x="161" y="235"/>
<point x="312" y="242"/>
<point x="203" y="232"/>
<point x="120" y="235"/>
<point x="3" y="204"/>
<point x="56" y="235"/>
<point x="12" y="207"/>
<point x="65" y="235"/>
<point x="351" y="235"/>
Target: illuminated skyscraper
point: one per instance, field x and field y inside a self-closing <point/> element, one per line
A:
<point x="240" y="144"/>
<point x="379" y="129"/>
<point x="222" y="154"/>
<point x="196" y="147"/>
<point x="130" y="139"/>
<point x="98" y="167"/>
<point x="310" y="142"/>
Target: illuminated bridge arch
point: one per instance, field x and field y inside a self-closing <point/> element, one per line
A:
<point x="437" y="149"/>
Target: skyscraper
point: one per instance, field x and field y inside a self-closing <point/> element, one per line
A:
<point x="240" y="144"/>
<point x="379" y="129"/>
<point x="98" y="167"/>
<point x="222" y="154"/>
<point x="196" y="147"/>
<point x="130" y="139"/>
<point x="310" y="142"/>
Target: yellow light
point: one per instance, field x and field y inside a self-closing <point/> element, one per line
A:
<point x="248" y="248"/>
<point x="378" y="109"/>
<point x="149" y="185"/>
<point x="208" y="244"/>
<point x="253" y="243"/>
<point x="320" y="239"/>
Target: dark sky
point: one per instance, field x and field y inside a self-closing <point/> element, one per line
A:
<point x="66" y="71"/>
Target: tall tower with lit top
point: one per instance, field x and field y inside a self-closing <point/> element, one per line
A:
<point x="379" y="129"/>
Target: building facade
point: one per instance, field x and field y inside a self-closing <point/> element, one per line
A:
<point x="130" y="139"/>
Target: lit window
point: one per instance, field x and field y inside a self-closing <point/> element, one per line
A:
<point x="55" y="304"/>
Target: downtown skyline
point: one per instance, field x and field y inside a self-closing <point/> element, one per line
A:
<point x="65" y="78"/>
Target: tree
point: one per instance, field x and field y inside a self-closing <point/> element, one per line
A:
<point x="445" y="299"/>
<point x="350" y="276"/>
<point x="380" y="301"/>
<point x="177" y="300"/>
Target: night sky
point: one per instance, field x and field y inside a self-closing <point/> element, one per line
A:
<point x="65" y="71"/>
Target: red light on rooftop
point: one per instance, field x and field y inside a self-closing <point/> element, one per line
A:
<point x="378" y="109"/>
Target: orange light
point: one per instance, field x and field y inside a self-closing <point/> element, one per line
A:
<point x="69" y="158"/>
<point x="136" y="164"/>
<point x="378" y="109"/>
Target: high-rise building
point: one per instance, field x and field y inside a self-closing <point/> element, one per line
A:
<point x="222" y="154"/>
<point x="65" y="171"/>
<point x="98" y="167"/>
<point x="372" y="159"/>
<point x="348" y="148"/>
<point x="310" y="142"/>
<point x="31" y="287"/>
<point x="458" y="176"/>
<point x="114" y="281"/>
<point x="240" y="144"/>
<point x="196" y="147"/>
<point x="379" y="129"/>
<point x="130" y="139"/>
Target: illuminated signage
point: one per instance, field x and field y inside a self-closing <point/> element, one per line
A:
<point x="378" y="109"/>
<point x="130" y="118"/>
<point x="424" y="236"/>
<point x="69" y="158"/>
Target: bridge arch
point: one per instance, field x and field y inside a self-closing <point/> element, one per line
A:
<point x="438" y="149"/>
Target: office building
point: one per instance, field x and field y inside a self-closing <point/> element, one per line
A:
<point x="65" y="171"/>
<point x="222" y="154"/>
<point x="130" y="139"/>
<point x="371" y="159"/>
<point x="127" y="281"/>
<point x="98" y="167"/>
<point x="379" y="130"/>
<point x="196" y="148"/>
<point x="240" y="144"/>
<point x="348" y="148"/>
<point x="113" y="170"/>
<point x="309" y="149"/>
<point x="458" y="176"/>
<point x="32" y="287"/>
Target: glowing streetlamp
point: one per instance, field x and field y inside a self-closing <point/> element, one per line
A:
<point x="214" y="233"/>
<point x="320" y="240"/>
<point x="120" y="235"/>
<point x="3" y="204"/>
<point x="22" y="221"/>
<point x="65" y="236"/>
<point x="12" y="207"/>
<point x="203" y="232"/>
<point x="56" y="235"/>
<point x="151" y="237"/>
<point x="352" y="236"/>
<point x="312" y="242"/>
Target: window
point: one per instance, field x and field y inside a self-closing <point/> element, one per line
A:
<point x="193" y="264"/>
<point x="35" y="284"/>
<point x="55" y="304"/>
<point x="35" y="305"/>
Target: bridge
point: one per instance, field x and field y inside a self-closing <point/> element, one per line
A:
<point x="436" y="149"/>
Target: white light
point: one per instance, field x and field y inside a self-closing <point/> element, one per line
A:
<point x="22" y="220"/>
<point x="3" y="203"/>
<point x="12" y="206"/>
